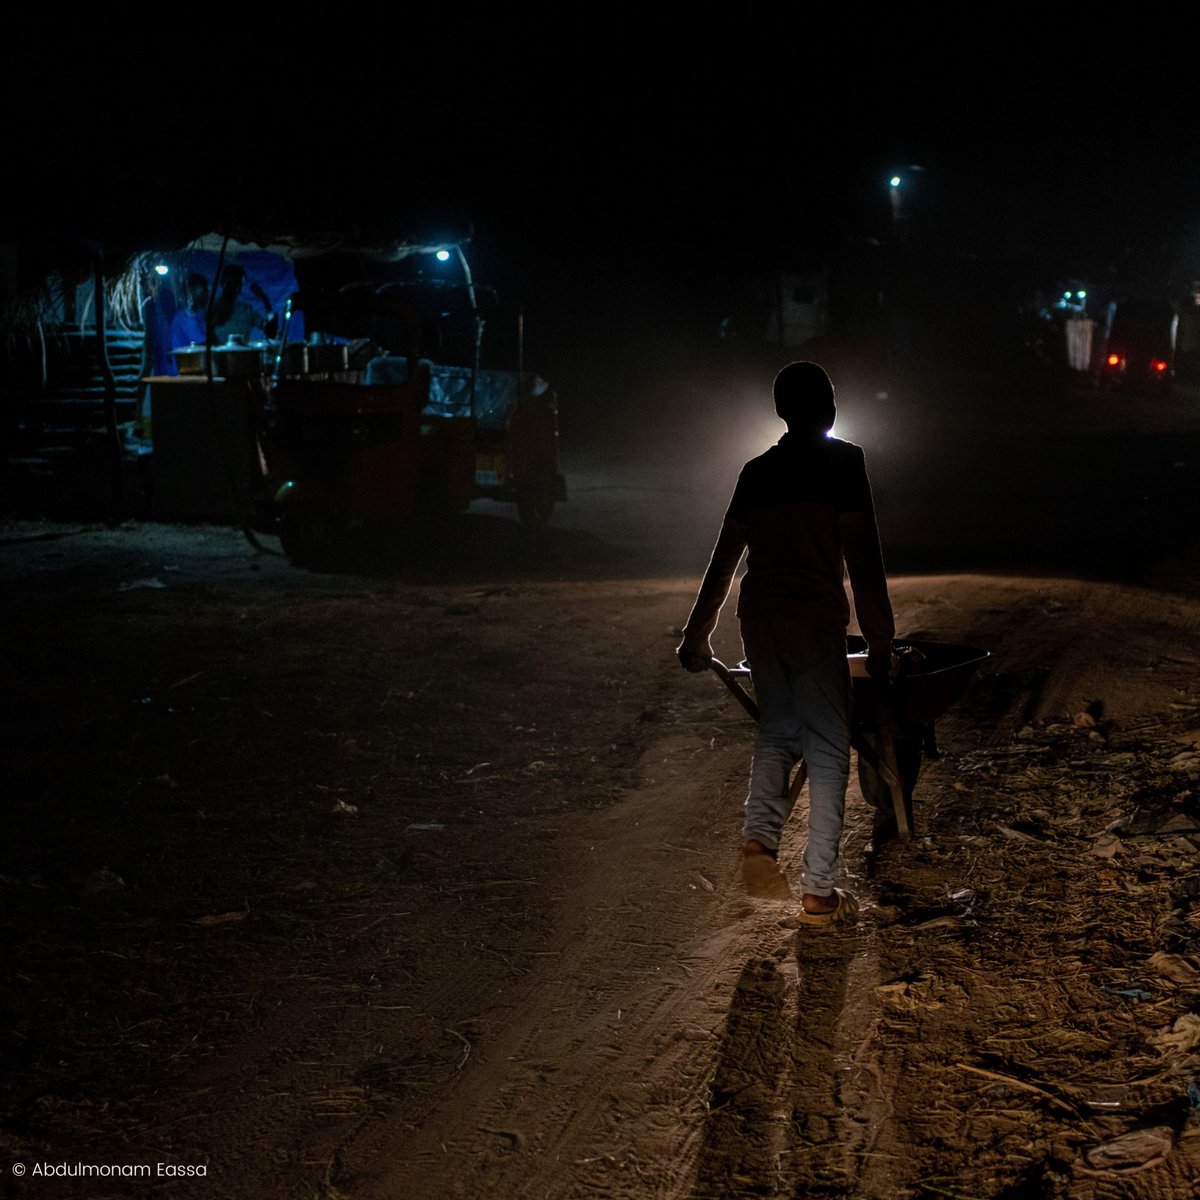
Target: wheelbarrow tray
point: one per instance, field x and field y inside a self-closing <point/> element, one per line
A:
<point x="921" y="692"/>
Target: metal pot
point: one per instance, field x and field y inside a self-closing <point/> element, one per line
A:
<point x="295" y="359"/>
<point x="234" y="361"/>
<point x="189" y="360"/>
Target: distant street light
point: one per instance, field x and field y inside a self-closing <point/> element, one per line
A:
<point x="895" y="200"/>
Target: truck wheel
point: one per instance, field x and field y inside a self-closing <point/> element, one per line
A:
<point x="535" y="504"/>
<point x="308" y="534"/>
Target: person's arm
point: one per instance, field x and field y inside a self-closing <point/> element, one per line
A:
<point x="864" y="564"/>
<point x="267" y="320"/>
<point x="695" y="651"/>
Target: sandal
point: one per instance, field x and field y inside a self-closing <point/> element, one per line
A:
<point x="846" y="912"/>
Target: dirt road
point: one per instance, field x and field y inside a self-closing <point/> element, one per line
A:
<point x="385" y="884"/>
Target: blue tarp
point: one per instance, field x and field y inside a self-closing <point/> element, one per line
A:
<point x="272" y="272"/>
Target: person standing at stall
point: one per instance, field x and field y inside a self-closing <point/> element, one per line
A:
<point x="157" y="311"/>
<point x="805" y="513"/>
<point x="187" y="326"/>
<point x="237" y="318"/>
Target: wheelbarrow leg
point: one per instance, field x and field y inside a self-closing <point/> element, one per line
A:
<point x="883" y="701"/>
<point x="878" y="751"/>
<point x="895" y="785"/>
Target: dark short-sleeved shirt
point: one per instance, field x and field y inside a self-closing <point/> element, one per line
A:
<point x="805" y="514"/>
<point x="788" y="501"/>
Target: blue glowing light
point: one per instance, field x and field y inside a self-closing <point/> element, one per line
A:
<point x="161" y="269"/>
<point x="443" y="256"/>
<point x="895" y="181"/>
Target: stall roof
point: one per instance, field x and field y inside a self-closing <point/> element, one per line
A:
<point x="314" y="247"/>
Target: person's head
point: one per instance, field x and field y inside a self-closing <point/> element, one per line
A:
<point x="197" y="291"/>
<point x="804" y="397"/>
<point x="232" y="279"/>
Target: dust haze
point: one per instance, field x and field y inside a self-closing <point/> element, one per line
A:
<point x="973" y="467"/>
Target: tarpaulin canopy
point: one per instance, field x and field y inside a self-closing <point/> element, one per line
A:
<point x="293" y="248"/>
<point x="343" y="289"/>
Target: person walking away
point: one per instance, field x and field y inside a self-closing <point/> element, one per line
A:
<point x="805" y="514"/>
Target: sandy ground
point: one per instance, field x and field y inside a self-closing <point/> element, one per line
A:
<point x="419" y="878"/>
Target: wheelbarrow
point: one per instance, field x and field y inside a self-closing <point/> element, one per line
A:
<point x="892" y="724"/>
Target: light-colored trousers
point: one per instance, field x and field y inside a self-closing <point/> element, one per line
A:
<point x="805" y="699"/>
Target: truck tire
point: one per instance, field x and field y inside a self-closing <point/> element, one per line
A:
<point x="535" y="504"/>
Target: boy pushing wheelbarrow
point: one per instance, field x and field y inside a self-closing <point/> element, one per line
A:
<point x="892" y="722"/>
<point x="805" y="513"/>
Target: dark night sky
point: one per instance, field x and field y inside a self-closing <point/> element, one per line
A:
<point x="636" y="157"/>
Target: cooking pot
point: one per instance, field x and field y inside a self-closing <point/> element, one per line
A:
<point x="232" y="360"/>
<point x="237" y="360"/>
<point x="189" y="360"/>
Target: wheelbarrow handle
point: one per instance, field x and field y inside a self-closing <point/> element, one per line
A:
<point x="726" y="676"/>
